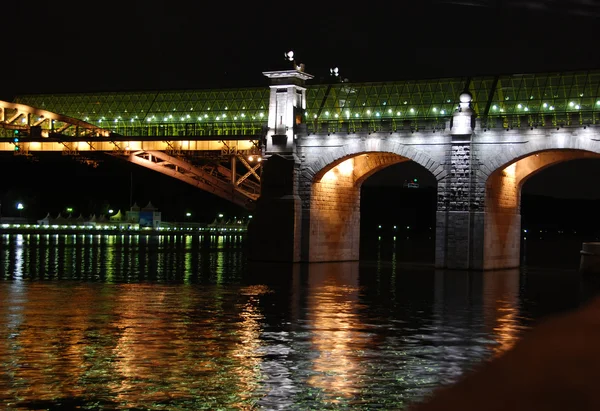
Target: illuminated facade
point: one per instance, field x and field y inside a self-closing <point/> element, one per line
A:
<point x="480" y="137"/>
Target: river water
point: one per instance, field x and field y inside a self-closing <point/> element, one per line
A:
<point x="113" y="322"/>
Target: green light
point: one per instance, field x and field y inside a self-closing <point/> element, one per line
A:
<point x="415" y="180"/>
<point x="16" y="148"/>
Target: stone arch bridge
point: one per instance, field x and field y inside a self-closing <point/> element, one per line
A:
<point x="481" y="138"/>
<point x="312" y="179"/>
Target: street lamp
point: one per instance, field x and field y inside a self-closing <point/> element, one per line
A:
<point x="70" y="210"/>
<point x="20" y="207"/>
<point x="110" y="211"/>
<point x="188" y="214"/>
<point x="220" y="215"/>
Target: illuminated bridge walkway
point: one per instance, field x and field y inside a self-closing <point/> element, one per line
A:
<point x="320" y="142"/>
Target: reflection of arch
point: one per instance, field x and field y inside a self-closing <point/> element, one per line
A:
<point x="335" y="202"/>
<point x="502" y="231"/>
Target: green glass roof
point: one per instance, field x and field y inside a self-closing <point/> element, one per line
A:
<point x="520" y="94"/>
<point x="506" y="95"/>
<point x="157" y="107"/>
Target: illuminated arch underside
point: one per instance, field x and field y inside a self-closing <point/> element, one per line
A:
<point x="335" y="205"/>
<point x="502" y="229"/>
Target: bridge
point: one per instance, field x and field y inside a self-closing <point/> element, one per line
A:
<point x="224" y="161"/>
<point x="481" y="137"/>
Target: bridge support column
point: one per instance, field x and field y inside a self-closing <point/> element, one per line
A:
<point x="502" y="220"/>
<point x="274" y="233"/>
<point x="460" y="217"/>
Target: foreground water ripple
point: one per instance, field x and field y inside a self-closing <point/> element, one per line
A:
<point x="109" y="323"/>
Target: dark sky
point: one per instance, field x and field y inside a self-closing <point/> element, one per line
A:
<point x="63" y="46"/>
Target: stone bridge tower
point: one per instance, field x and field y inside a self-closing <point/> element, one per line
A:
<point x="275" y="232"/>
<point x="460" y="205"/>
<point x="281" y="229"/>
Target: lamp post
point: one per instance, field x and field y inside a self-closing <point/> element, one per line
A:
<point x="20" y="207"/>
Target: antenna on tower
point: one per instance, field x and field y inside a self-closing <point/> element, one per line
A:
<point x="335" y="72"/>
<point x="289" y="56"/>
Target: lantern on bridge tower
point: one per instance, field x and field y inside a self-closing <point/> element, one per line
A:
<point x="463" y="119"/>
<point x="287" y="104"/>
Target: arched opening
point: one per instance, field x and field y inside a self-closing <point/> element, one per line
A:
<point x="398" y="214"/>
<point x="502" y="233"/>
<point x="559" y="209"/>
<point x="335" y="205"/>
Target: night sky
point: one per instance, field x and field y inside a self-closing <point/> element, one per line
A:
<point x="65" y="46"/>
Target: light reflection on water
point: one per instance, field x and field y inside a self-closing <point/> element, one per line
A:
<point x="181" y="323"/>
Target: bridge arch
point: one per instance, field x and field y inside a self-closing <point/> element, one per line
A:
<point x="319" y="166"/>
<point x="502" y="223"/>
<point x="334" y="204"/>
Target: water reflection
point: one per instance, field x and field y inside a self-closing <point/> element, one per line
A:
<point x="118" y="322"/>
<point x="119" y="258"/>
<point x="501" y="308"/>
<point x="336" y="331"/>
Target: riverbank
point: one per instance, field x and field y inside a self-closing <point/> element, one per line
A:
<point x="133" y="229"/>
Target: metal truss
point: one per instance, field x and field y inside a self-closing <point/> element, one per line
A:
<point x="569" y="97"/>
<point x="20" y="120"/>
<point x="535" y="99"/>
<point x="228" y="168"/>
<point x="167" y="113"/>
<point x="215" y="173"/>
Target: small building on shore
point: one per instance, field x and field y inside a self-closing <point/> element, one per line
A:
<point x="147" y="217"/>
<point x="70" y="220"/>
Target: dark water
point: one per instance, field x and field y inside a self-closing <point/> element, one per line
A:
<point x="177" y="323"/>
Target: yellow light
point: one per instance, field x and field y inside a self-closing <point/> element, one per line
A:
<point x="510" y="170"/>
<point x="346" y="167"/>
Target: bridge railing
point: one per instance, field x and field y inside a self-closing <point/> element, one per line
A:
<point x="188" y="129"/>
<point x="192" y="130"/>
<point x="372" y="126"/>
<point x="558" y="119"/>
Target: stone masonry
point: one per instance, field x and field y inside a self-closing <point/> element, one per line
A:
<point x="309" y="209"/>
